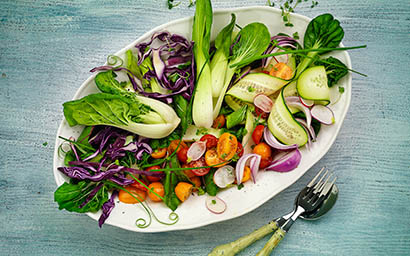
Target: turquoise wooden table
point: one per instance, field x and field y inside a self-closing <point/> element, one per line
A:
<point x="46" y="50"/>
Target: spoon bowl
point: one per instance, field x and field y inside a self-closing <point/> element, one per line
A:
<point x="325" y="206"/>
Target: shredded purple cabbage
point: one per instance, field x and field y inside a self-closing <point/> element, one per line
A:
<point x="91" y="195"/>
<point x="174" y="51"/>
<point x="107" y="209"/>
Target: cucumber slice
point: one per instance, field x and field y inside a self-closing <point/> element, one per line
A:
<point x="312" y="85"/>
<point x="283" y="126"/>
<point x="253" y="84"/>
<point x="234" y="103"/>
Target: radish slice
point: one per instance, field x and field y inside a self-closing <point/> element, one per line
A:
<point x="295" y="103"/>
<point x="215" y="205"/>
<point x="274" y="143"/>
<point x="224" y="176"/>
<point x="323" y="114"/>
<point x="307" y="103"/>
<point x="158" y="64"/>
<point x="263" y="102"/>
<point x="240" y="167"/>
<point x="276" y="59"/>
<point x="196" y="150"/>
<point x="286" y="163"/>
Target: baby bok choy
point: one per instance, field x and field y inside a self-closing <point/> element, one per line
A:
<point x="219" y="62"/>
<point x="121" y="108"/>
<point x="250" y="42"/>
<point x="201" y="34"/>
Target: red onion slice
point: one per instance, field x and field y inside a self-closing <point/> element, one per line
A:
<point x="224" y="176"/>
<point x="294" y="102"/>
<point x="286" y="163"/>
<point x="240" y="166"/>
<point x="274" y="143"/>
<point x="254" y="165"/>
<point x="310" y="129"/>
<point x="263" y="102"/>
<point x="215" y="204"/>
<point x="196" y="150"/>
<point x="323" y="114"/>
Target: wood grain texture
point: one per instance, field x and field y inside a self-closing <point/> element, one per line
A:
<point x="46" y="50"/>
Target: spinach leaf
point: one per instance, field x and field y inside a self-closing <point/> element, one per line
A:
<point x="210" y="186"/>
<point x="236" y="117"/>
<point x="322" y="32"/>
<point x="335" y="69"/>
<point x="72" y="196"/>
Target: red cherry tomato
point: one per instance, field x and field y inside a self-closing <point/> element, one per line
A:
<point x="257" y="133"/>
<point x="152" y="178"/>
<point x="182" y="155"/>
<point x="211" y="141"/>
<point x="239" y="150"/>
<point x="265" y="162"/>
<point x="199" y="163"/>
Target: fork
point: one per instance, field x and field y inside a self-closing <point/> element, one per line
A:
<point x="309" y="198"/>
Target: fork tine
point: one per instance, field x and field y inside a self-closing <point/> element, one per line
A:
<point x="322" y="185"/>
<point x="327" y="188"/>
<point x="319" y="183"/>
<point x="314" y="179"/>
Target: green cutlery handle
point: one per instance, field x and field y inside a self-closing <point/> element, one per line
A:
<point x="234" y="247"/>
<point x="272" y="243"/>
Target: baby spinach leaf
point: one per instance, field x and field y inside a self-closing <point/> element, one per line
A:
<point x="210" y="187"/>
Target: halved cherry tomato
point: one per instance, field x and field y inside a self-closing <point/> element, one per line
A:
<point x="159" y="153"/>
<point x="158" y="188"/>
<point x="257" y="133"/>
<point x="265" y="162"/>
<point x="174" y="144"/>
<point x="211" y="141"/>
<point x="188" y="173"/>
<point x="260" y="113"/>
<point x="212" y="159"/>
<point x="138" y="185"/>
<point x="152" y="178"/>
<point x="182" y="155"/>
<point x="263" y="150"/>
<point x="239" y="150"/>
<point x="219" y="122"/>
<point x="246" y="174"/>
<point x="199" y="163"/>
<point x="183" y="190"/>
<point x="281" y="70"/>
<point x="124" y="197"/>
<point x="227" y="145"/>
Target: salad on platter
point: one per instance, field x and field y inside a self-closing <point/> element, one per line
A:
<point x="181" y="117"/>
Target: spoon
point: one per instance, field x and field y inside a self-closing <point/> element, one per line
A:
<point x="241" y="243"/>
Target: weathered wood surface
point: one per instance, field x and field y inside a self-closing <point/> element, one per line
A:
<point x="46" y="49"/>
